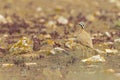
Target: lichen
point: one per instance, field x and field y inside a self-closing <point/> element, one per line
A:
<point x="22" y="46"/>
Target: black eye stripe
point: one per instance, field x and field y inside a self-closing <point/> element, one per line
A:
<point x="82" y="24"/>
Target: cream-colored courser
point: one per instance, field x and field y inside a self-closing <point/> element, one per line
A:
<point x="83" y="37"/>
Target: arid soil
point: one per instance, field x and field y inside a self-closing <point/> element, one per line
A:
<point x="52" y="23"/>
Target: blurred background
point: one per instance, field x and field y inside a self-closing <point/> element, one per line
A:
<point x="99" y="15"/>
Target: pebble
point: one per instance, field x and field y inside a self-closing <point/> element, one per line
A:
<point x="51" y="23"/>
<point x="110" y="71"/>
<point x="47" y="36"/>
<point x="99" y="51"/>
<point x="62" y="20"/>
<point x="90" y="17"/>
<point x="57" y="50"/>
<point x="7" y="65"/>
<point x="107" y="34"/>
<point x="2" y="19"/>
<point x="96" y="58"/>
<point x="38" y="9"/>
<point x="117" y="40"/>
<point x="30" y="64"/>
<point x="97" y="13"/>
<point x="111" y="51"/>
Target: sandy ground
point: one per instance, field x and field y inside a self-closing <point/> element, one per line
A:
<point x="29" y="18"/>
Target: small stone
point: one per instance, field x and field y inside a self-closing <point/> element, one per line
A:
<point x="58" y="50"/>
<point x="42" y="20"/>
<point x="38" y="9"/>
<point x="110" y="71"/>
<point x="30" y="64"/>
<point x="7" y="65"/>
<point x="96" y="58"/>
<point x="2" y="19"/>
<point x="90" y="17"/>
<point x="62" y="20"/>
<point x="117" y="40"/>
<point x="47" y="36"/>
<point x="108" y="34"/>
<point x="100" y="51"/>
<point x="108" y="43"/>
<point x="114" y="51"/>
<point x="51" y="23"/>
<point x="97" y="13"/>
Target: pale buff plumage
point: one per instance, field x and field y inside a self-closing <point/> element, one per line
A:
<point x="83" y="37"/>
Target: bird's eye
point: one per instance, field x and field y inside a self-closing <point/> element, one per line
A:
<point x="82" y="24"/>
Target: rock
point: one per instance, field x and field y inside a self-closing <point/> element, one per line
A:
<point x="97" y="13"/>
<point x="57" y="50"/>
<point x="117" y="40"/>
<point x="30" y="55"/>
<point x="2" y="19"/>
<point x="47" y="36"/>
<point x="108" y="34"/>
<point x="51" y="23"/>
<point x="113" y="51"/>
<point x="30" y="64"/>
<point x="22" y="46"/>
<point x="110" y="71"/>
<point x="96" y="58"/>
<point x="99" y="51"/>
<point x="38" y="9"/>
<point x="7" y="65"/>
<point x="62" y="20"/>
<point x="108" y="43"/>
<point x="90" y="17"/>
<point x="51" y="26"/>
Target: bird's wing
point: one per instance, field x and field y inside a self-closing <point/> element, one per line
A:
<point x="85" y="39"/>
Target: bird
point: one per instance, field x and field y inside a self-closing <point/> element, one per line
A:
<point x="83" y="37"/>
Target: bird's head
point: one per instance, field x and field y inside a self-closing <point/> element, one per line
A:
<point x="82" y="25"/>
